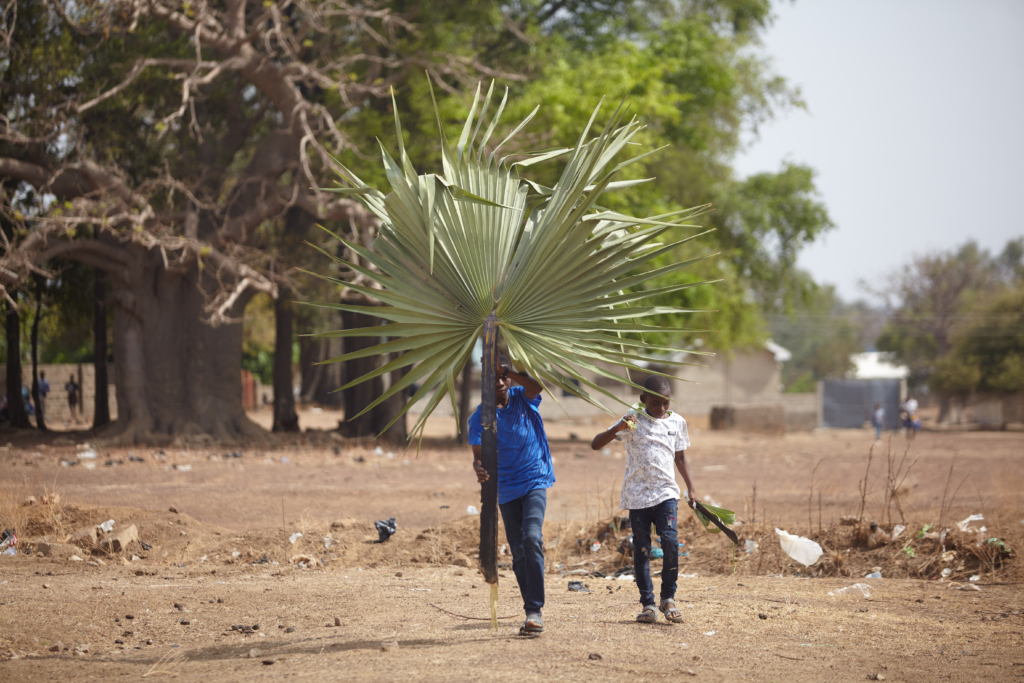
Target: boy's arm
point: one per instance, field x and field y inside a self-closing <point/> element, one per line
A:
<point x="531" y="387"/>
<point x="608" y="435"/>
<point x="478" y="466"/>
<point x="684" y="470"/>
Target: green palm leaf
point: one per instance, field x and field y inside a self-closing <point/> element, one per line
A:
<point x="551" y="265"/>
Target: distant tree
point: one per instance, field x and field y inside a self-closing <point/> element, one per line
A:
<point x="929" y="300"/>
<point x="988" y="352"/>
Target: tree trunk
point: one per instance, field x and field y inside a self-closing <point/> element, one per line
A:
<point x="101" y="406"/>
<point x="177" y="377"/>
<point x="489" y="453"/>
<point x="361" y="395"/>
<point x="285" y="419"/>
<point x="397" y="434"/>
<point x="944" y="407"/>
<point x="40" y="418"/>
<point x="16" y="407"/>
<point x="464" y="400"/>
<point x="320" y="381"/>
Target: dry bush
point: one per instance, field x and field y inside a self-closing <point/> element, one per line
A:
<point x="14" y="514"/>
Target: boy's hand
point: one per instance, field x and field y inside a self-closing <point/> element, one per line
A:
<point x="628" y="422"/>
<point x="481" y="473"/>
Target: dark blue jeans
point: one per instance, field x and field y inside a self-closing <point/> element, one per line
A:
<point x="524" y="523"/>
<point x="663" y="517"/>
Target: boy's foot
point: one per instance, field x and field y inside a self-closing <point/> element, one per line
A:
<point x="533" y="625"/>
<point x="672" y="613"/>
<point x="649" y="615"/>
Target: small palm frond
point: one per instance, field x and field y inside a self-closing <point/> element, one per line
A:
<point x="550" y="263"/>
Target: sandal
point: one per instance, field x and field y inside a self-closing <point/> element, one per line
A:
<point x="649" y="615"/>
<point x="533" y="625"/>
<point x="672" y="613"/>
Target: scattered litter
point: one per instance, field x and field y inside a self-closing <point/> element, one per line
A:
<point x="471" y="510"/>
<point x="285" y="459"/>
<point x="803" y="550"/>
<point x="89" y="465"/>
<point x="235" y="554"/>
<point x="503" y="550"/>
<point x="946" y="572"/>
<point x="75" y="558"/>
<point x="963" y="525"/>
<point x="710" y="633"/>
<point x="688" y="576"/>
<point x="8" y="541"/>
<point x="998" y="543"/>
<point x="966" y="587"/>
<point x="607" y="451"/>
<point x="106" y="527"/>
<point x="873" y="575"/>
<point x="294" y="537"/>
<point x="656" y="553"/>
<point x="863" y="588"/>
<point x="378" y="451"/>
<point x="87" y="454"/>
<point x="976" y="577"/>
<point x="596" y="547"/>
<point x="328" y="541"/>
<point x="625" y="577"/>
<point x="579" y="587"/>
<point x="897" y="530"/>
<point x="12" y="551"/>
<point x="385" y="529"/>
<point x="594" y="655"/>
<point x="183" y="468"/>
<point x="948" y="556"/>
<point x="749" y="546"/>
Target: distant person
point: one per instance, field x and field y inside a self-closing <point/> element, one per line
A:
<point x="44" y="389"/>
<point x="26" y="400"/>
<point x="878" y="419"/>
<point x="525" y="473"/>
<point x="73" y="396"/>
<point x="911" y="421"/>
<point x="656" y="442"/>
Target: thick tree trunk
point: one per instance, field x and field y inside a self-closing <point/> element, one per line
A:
<point x="16" y="407"/>
<point x="177" y="378"/>
<point x="464" y="402"/>
<point x="489" y="453"/>
<point x="40" y="408"/>
<point x="101" y="406"/>
<point x="285" y="418"/>
<point x="361" y="395"/>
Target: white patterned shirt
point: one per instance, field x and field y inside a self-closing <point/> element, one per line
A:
<point x="650" y="460"/>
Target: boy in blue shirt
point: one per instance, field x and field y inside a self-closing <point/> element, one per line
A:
<point x="524" y="475"/>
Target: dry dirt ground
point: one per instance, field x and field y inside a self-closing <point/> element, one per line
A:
<point x="225" y="556"/>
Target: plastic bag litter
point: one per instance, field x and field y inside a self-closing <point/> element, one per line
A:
<point x="106" y="527"/>
<point x="897" y="530"/>
<point x="471" y="510"/>
<point x="294" y="537"/>
<point x="87" y="455"/>
<point x="803" y="550"/>
<point x="385" y="528"/>
<point x="862" y="588"/>
<point x="657" y="553"/>
<point x="749" y="546"/>
<point x="579" y="587"/>
<point x="963" y="525"/>
<point x="873" y="575"/>
<point x="947" y="572"/>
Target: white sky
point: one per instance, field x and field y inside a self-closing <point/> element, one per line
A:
<point x="914" y="123"/>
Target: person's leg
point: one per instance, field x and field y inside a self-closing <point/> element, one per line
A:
<point x="878" y="432"/>
<point x="512" y="518"/>
<point x="665" y="523"/>
<point x="640" y="522"/>
<point x="534" y="504"/>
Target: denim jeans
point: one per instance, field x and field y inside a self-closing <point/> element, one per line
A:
<point x="878" y="432"/>
<point x="524" y="522"/>
<point x="663" y="517"/>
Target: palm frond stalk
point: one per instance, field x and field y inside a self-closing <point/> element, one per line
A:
<point x="479" y="250"/>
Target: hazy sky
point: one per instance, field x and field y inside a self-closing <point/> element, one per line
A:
<point x="914" y="123"/>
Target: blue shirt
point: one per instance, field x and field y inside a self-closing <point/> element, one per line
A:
<point x="524" y="458"/>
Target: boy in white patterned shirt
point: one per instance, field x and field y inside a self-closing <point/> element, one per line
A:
<point x="656" y="439"/>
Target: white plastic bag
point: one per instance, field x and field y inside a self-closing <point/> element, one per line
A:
<point x="803" y="550"/>
<point x="863" y="588"/>
<point x="962" y="526"/>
